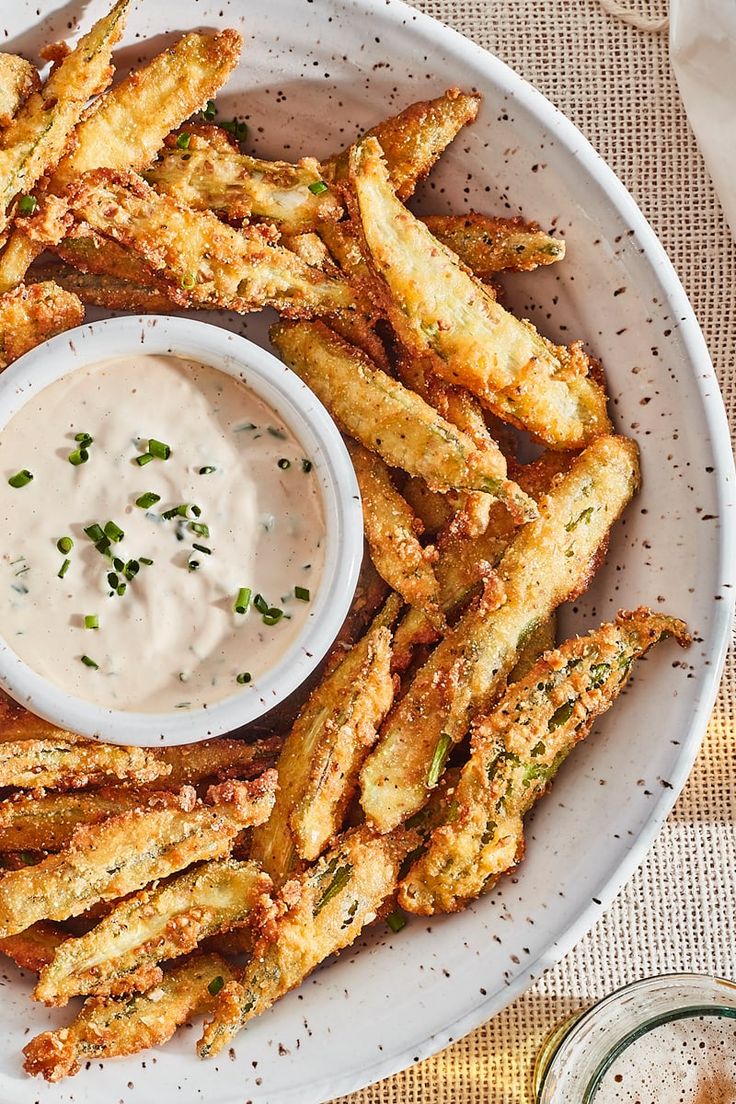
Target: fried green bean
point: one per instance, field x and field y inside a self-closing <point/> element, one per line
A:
<point x="488" y="245"/>
<point x="550" y="561"/>
<point x="516" y="751"/>
<point x="161" y="922"/>
<point x="335" y="899"/>
<point x="438" y="307"/>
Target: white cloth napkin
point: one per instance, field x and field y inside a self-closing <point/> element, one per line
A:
<point x="703" y="53"/>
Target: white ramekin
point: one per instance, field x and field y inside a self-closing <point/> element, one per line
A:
<point x="299" y="408"/>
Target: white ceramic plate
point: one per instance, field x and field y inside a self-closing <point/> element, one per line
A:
<point x="312" y="73"/>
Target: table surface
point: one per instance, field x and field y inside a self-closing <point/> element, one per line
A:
<point x="678" y="911"/>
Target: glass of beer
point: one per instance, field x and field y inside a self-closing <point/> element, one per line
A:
<point x="665" y="1040"/>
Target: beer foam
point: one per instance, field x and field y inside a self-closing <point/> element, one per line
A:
<point x="687" y="1061"/>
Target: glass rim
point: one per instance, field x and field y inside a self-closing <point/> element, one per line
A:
<point x="577" y="1022"/>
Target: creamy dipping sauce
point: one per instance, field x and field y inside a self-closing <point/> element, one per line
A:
<point x="249" y="531"/>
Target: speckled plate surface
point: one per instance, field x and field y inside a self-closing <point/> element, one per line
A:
<point x="313" y="72"/>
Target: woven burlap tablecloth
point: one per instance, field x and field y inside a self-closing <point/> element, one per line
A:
<point x="678" y="911"/>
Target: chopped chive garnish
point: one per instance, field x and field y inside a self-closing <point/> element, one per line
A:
<point x="318" y="187"/>
<point x="237" y="128"/>
<point x="301" y="593"/>
<point x="21" y="478"/>
<point x="145" y="560"/>
<point x="145" y="501"/>
<point x="118" y="564"/>
<point x="260" y="603"/>
<point x="209" y="110"/>
<point x="215" y="985"/>
<point x="199" y="528"/>
<point x="78" y="456"/>
<point x="193" y="565"/>
<point x="284" y="463"/>
<point x="183" y="140"/>
<point x="306" y="465"/>
<point x="207" y="470"/>
<point x="441" y="752"/>
<point x="113" y="531"/>
<point x="203" y="548"/>
<point x="64" y="568"/>
<point x="144" y="458"/>
<point x="188" y="281"/>
<point x="244" y="677"/>
<point x="167" y="515"/>
<point x="103" y="547"/>
<point x="91" y="621"/>
<point x="113" y="579"/>
<point x="196" y="511"/>
<point x="121" y="589"/>
<point x="65" y="545"/>
<point x="27" y="205"/>
<point x="90" y="663"/>
<point x="278" y="433"/>
<point x="242" y="602"/>
<point x="272" y="615"/>
<point x="131" y="569"/>
<point x="183" y="676"/>
<point x="397" y="920"/>
<point x="83" y="439"/>
<point x="95" y="532"/>
<point x="159" y="449"/>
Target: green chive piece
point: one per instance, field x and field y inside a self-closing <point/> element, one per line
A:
<point x="78" y="456"/>
<point x="203" y="548"/>
<point x="144" y="458"/>
<point x="113" y="532"/>
<point x="145" y="560"/>
<point x="64" y="568"/>
<point x="215" y="985"/>
<point x="121" y="589"/>
<point x="131" y="569"/>
<point x="91" y="621"/>
<point x="209" y="110"/>
<point x="278" y="433"/>
<point x="65" y="545"/>
<point x="103" y="547"/>
<point x="183" y="140"/>
<point x="193" y="565"/>
<point x="27" y="205"/>
<point x="284" y="463"/>
<point x="84" y="439"/>
<point x="90" y="663"/>
<point x="113" y="579"/>
<point x="301" y="593"/>
<point x="199" y="528"/>
<point x="318" y="187"/>
<point x="260" y="603"/>
<point x="145" y="501"/>
<point x="207" y="470"/>
<point x="188" y="281"/>
<point x="244" y="677"/>
<point x="561" y="715"/>
<point x="158" y="449"/>
<point x="21" y="478"/>
<point x="237" y="128"/>
<point x="338" y="883"/>
<point x="306" y="465"/>
<point x="272" y="615"/>
<point x="95" y="532"/>
<point x="118" y="564"/>
<point x="167" y="515"/>
<point x="441" y="752"/>
<point x="397" y="920"/>
<point x="242" y="602"/>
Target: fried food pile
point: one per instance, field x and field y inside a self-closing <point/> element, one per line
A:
<point x="161" y="884"/>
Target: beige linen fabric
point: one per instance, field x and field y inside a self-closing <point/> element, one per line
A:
<point x="679" y="911"/>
